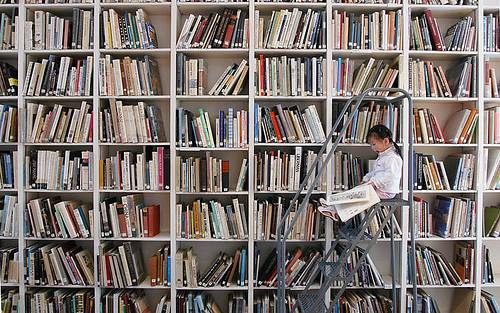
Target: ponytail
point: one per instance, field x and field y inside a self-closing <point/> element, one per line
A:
<point x="396" y="146"/>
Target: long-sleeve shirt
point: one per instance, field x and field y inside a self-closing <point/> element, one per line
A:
<point x="386" y="175"/>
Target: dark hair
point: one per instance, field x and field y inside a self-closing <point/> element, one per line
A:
<point x="381" y="132"/>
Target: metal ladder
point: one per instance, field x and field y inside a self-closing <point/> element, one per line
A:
<point x="312" y="300"/>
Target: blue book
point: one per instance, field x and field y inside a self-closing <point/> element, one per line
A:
<point x="198" y="304"/>
<point x="169" y="270"/>
<point x="243" y="260"/>
<point x="230" y="135"/>
<point x="256" y="113"/>
<point x="442" y="216"/>
<point x="8" y="163"/>
<point x="339" y="67"/>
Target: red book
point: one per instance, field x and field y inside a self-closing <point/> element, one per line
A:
<point x="161" y="152"/>
<point x="275" y="126"/>
<point x="434" y="29"/>
<point x="121" y="220"/>
<point x="153" y="220"/>
<point x="153" y="269"/>
<point x="261" y="78"/>
<point x="225" y="175"/>
<point x="109" y="276"/>
<point x="91" y="127"/>
<point x="201" y="29"/>
<point x="229" y="31"/>
<point x="145" y="226"/>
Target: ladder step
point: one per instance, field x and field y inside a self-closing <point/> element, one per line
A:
<point x="312" y="301"/>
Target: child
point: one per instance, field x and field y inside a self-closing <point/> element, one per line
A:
<point x="386" y="175"/>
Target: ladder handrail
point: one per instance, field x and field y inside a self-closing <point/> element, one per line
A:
<point x="282" y="234"/>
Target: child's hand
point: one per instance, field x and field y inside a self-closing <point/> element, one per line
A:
<point x="328" y="211"/>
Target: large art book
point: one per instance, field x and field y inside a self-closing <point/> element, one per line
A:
<point x="347" y="204"/>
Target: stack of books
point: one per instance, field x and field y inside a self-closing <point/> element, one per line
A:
<point x="8" y="213"/>
<point x="464" y="261"/>
<point x="372" y="31"/>
<point x="293" y="29"/>
<point x="460" y="127"/>
<point x="367" y="275"/>
<point x="51" y="32"/>
<point x="128" y="217"/>
<point x="491" y="122"/>
<point x="58" y="265"/>
<point x="369" y="1"/>
<point x="10" y="300"/>
<point x="9" y="261"/>
<point x="491" y="39"/>
<point x="212" y="220"/>
<point x="55" y="1"/>
<point x="492" y="169"/>
<point x="350" y="81"/>
<point x="124" y="301"/>
<point x="128" y="30"/>
<point x="131" y="123"/>
<point x="281" y="171"/>
<point x="76" y="168"/>
<point x="51" y="300"/>
<point x="491" y="82"/>
<point x="127" y="170"/>
<point x="288" y="124"/>
<point x="8" y="123"/>
<point x="284" y="76"/>
<point x="426" y="128"/>
<point x="224" y="271"/>
<point x="363" y="301"/>
<point x="488" y="302"/>
<point x="228" y="29"/>
<point x="434" y="269"/>
<point x="59" y="76"/>
<point x="120" y="266"/>
<point x="491" y="221"/>
<point x="231" y="129"/>
<point x="268" y="214"/>
<point x="8" y="170"/>
<point x="348" y="170"/>
<point x="237" y="303"/>
<point x="455" y="173"/>
<point x="445" y="2"/>
<point x="53" y="218"/>
<point x="160" y="267"/>
<point x="59" y="123"/>
<point x="8" y="80"/>
<point x="129" y="76"/>
<point x="301" y="268"/>
<point x="9" y="30"/>
<point x="424" y="301"/>
<point x="487" y="268"/>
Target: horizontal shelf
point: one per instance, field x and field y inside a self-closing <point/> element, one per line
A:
<point x="212" y="240"/>
<point x="240" y="97"/>
<point x="442" y="99"/>
<point x="8" y="53"/>
<point x="360" y="53"/>
<point x="315" y="192"/>
<point x="222" y="193"/>
<point x="59" y="7"/>
<point x="321" y="240"/>
<point x="61" y="286"/>
<point x="494" y="56"/>
<point x="216" y="288"/>
<point x="442" y="10"/>
<point x="361" y="7"/>
<point x="440" y="55"/>
<point x="145" y="284"/>
<point x="492" y="145"/>
<point x="152" y="7"/>
<point x="57" y="239"/>
<point x="491" y="191"/>
<point x="443" y="286"/>
<point x="58" y="98"/>
<point x="267" y="6"/>
<point x="277" y="52"/>
<point x="194" y="149"/>
<point x="163" y="236"/>
<point x="128" y="144"/>
<point x="215" y="52"/>
<point x="61" y="52"/>
<point x="8" y="190"/>
<point x="490" y="239"/>
<point x="446" y="239"/>
<point x="202" y="7"/>
<point x="445" y="191"/>
<point x="8" y="6"/>
<point x="163" y="97"/>
<point x="289" y="98"/>
<point x="58" y="144"/>
<point x="8" y="98"/>
<point x="156" y="52"/>
<point x="57" y="191"/>
<point x="288" y="144"/>
<point x="12" y="285"/>
<point x="132" y="191"/>
<point x="446" y="145"/>
<point x="9" y="144"/>
<point x="9" y="238"/>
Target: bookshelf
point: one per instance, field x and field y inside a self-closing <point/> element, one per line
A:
<point x="168" y="19"/>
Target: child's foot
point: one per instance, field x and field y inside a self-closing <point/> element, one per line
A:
<point x="327" y="211"/>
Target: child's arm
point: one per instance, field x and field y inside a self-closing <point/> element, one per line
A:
<point x="391" y="173"/>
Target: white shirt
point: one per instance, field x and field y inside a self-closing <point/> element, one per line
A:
<point x="386" y="174"/>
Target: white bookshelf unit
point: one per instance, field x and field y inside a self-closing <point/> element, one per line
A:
<point x="168" y="19"/>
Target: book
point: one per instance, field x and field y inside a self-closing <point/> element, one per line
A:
<point x="160" y="268"/>
<point x="51" y="300"/>
<point x="120" y="265"/>
<point x="489" y="302"/>
<point x="9" y="262"/>
<point x="8" y="123"/>
<point x="57" y="264"/>
<point x="127" y="30"/>
<point x="380" y="30"/>
<point x="290" y="76"/>
<point x="124" y="301"/>
<point x="268" y="302"/>
<point x="8" y="170"/>
<point x="127" y="76"/>
<point x="164" y="306"/>
<point x="57" y="1"/>
<point x="48" y="31"/>
<point x="290" y="29"/>
<point x="8" y="215"/>
<point x="492" y="162"/>
<point x="371" y="300"/>
<point x="491" y="39"/>
<point x="487" y="268"/>
<point x="424" y="300"/>
<point x="490" y="81"/>
<point x="212" y="220"/>
<point x="128" y="170"/>
<point x="204" y="302"/>
<point x="464" y="261"/>
<point x="9" y="29"/>
<point x="74" y="168"/>
<point x="348" y="170"/>
<point x="135" y="123"/>
<point x="10" y="301"/>
<point x="491" y="221"/>
<point x="8" y="80"/>
<point x="59" y="76"/>
<point x="491" y="122"/>
<point x="434" y="269"/>
<point x="445" y="2"/>
<point x="231" y="82"/>
<point x="227" y="29"/>
<point x="369" y="1"/>
<point x="460" y="127"/>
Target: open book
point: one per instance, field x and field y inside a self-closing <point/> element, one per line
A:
<point x="345" y="205"/>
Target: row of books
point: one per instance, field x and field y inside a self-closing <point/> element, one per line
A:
<point x="134" y="123"/>
<point x="425" y="34"/>
<point x="58" y="265"/>
<point x="492" y="156"/>
<point x="53" y="218"/>
<point x="160" y="265"/>
<point x="55" y="1"/>
<point x="456" y="172"/>
<point x="127" y="30"/>
<point x="434" y="269"/>
<point x="8" y="80"/>
<point x="426" y="128"/>
<point x="288" y="124"/>
<point x="310" y="225"/>
<point x="368" y="115"/>
<point x="8" y="30"/>
<point x="128" y="170"/>
<point x="367" y="274"/>
<point x="8" y="216"/>
<point x="224" y="271"/>
<point x="59" y="76"/>
<point x="371" y="31"/>
<point x="491" y="221"/>
<point x="363" y="301"/>
<point x="10" y="299"/>
<point x="429" y="80"/>
<point x="491" y="28"/>
<point x="490" y="80"/>
<point x="128" y="217"/>
<point x="137" y="76"/>
<point x="212" y="219"/>
<point x="445" y="2"/>
<point x="284" y="76"/>
<point x="197" y="302"/>
<point x="120" y="265"/>
<point x="58" y="123"/>
<point x="59" y="300"/>
<point x="488" y="273"/>
<point x="459" y="129"/>
<point x="59" y="170"/>
<point x="301" y="267"/>
<point x="228" y="29"/>
<point x="207" y="174"/>
<point x="8" y="170"/>
<point x="347" y="170"/>
<point x="48" y="31"/>
<point x="424" y="301"/>
<point x="348" y="80"/>
<point x="447" y="217"/>
<point x="491" y="122"/>
<point x="131" y="301"/>
<point x="293" y="29"/>
<point x="9" y="261"/>
<point x="488" y="302"/>
<point x="269" y="303"/>
<point x="281" y="171"/>
<point x="231" y="129"/>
